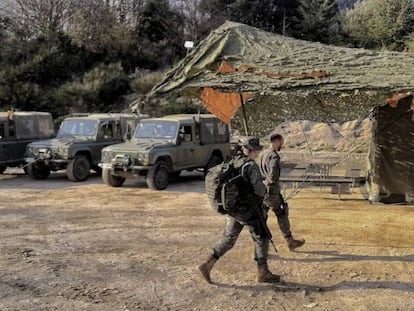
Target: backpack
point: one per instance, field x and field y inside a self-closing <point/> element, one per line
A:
<point x="222" y="185"/>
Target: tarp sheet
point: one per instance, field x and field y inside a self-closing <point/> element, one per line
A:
<point x="223" y="105"/>
<point x="391" y="171"/>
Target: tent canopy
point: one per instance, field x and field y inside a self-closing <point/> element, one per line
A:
<point x="289" y="78"/>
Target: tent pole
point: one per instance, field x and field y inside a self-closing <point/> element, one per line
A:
<point x="246" y="128"/>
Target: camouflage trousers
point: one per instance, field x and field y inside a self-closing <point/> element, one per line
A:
<point x="232" y="230"/>
<point x="273" y="202"/>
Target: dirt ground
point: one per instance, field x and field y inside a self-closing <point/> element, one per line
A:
<point x="85" y="246"/>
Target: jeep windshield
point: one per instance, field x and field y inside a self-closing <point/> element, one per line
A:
<point x="156" y="129"/>
<point x="78" y="128"/>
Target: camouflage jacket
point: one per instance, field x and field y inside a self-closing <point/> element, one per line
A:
<point x="269" y="164"/>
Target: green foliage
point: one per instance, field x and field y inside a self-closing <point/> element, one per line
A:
<point x="97" y="92"/>
<point x="380" y="23"/>
<point x="172" y="104"/>
<point x="318" y="21"/>
<point x="182" y="106"/>
<point x="270" y="15"/>
<point x="161" y="32"/>
<point x="144" y="81"/>
<point x="37" y="67"/>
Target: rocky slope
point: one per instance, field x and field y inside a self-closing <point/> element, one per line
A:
<point x="352" y="136"/>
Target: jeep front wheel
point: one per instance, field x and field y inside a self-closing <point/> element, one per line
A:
<point x="38" y="171"/>
<point x="111" y="180"/>
<point x="157" y="176"/>
<point x="78" y="168"/>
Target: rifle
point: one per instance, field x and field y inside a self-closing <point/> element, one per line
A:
<point x="263" y="223"/>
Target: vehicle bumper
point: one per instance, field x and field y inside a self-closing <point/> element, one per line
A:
<point x="53" y="163"/>
<point x="123" y="170"/>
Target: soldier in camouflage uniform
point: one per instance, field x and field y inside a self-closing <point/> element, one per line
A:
<point x="253" y="194"/>
<point x="269" y="164"/>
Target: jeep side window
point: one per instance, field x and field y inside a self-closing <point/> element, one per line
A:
<point x="2" y="131"/>
<point x="185" y="133"/>
<point x="106" y="130"/>
<point x="11" y="130"/>
<point x="197" y="131"/>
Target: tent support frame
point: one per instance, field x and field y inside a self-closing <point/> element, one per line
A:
<point x="246" y="128"/>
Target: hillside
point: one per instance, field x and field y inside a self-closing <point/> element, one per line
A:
<point x="352" y="136"/>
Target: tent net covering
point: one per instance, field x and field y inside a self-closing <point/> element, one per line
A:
<point x="287" y="78"/>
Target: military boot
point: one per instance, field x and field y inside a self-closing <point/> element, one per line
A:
<point x="206" y="267"/>
<point x="292" y="243"/>
<point x="265" y="276"/>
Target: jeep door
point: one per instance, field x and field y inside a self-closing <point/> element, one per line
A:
<point x="190" y="152"/>
<point x="109" y="133"/>
<point x="3" y="142"/>
<point x="12" y="150"/>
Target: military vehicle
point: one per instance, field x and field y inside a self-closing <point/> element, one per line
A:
<point x="163" y="147"/>
<point x="78" y="144"/>
<point x="17" y="129"/>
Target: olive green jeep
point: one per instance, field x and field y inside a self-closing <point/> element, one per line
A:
<point x="163" y="147"/>
<point x="17" y="130"/>
<point x="78" y="144"/>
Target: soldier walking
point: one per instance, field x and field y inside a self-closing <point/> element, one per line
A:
<point x="269" y="164"/>
<point x="251" y="196"/>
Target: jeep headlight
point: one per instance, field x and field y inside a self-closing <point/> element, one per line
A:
<point x="106" y="156"/>
<point x="61" y="152"/>
<point x="143" y="157"/>
<point x="29" y="151"/>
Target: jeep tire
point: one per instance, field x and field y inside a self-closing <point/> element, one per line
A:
<point x="111" y="180"/>
<point x="38" y="170"/>
<point x="78" y="168"/>
<point x="2" y="168"/>
<point x="158" y="176"/>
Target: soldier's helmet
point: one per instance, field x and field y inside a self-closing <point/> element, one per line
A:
<point x="251" y="143"/>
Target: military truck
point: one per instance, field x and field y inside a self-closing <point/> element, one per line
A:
<point x="78" y="145"/>
<point x="163" y="147"/>
<point x="17" y="130"/>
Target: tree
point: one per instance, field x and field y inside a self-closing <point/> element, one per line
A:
<point x="32" y="70"/>
<point x="161" y="32"/>
<point x="270" y="15"/>
<point x="37" y="17"/>
<point x="215" y="13"/>
<point x="380" y="23"/>
<point x="346" y="4"/>
<point x="318" y="21"/>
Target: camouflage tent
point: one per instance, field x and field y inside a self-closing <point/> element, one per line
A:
<point x="293" y="78"/>
<point x="281" y="78"/>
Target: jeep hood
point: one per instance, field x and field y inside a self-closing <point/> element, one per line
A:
<point x="48" y="143"/>
<point x="141" y="145"/>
